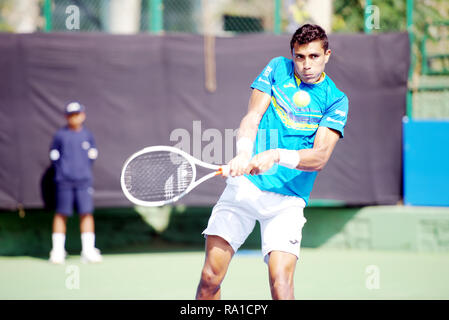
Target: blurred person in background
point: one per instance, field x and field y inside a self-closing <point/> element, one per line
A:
<point x="72" y="153"/>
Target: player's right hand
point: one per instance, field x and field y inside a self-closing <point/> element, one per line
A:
<point x="238" y="164"/>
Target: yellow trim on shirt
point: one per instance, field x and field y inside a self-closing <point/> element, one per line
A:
<point x="289" y="122"/>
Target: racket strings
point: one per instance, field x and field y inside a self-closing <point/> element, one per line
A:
<point x="158" y="176"/>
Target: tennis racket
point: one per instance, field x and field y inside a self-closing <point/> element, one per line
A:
<point x="159" y="175"/>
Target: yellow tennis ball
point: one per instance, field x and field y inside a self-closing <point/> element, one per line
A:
<point x="301" y="98"/>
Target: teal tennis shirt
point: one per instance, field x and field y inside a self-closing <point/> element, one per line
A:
<point x="285" y="125"/>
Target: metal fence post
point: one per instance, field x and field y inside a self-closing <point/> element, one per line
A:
<point x="277" y="16"/>
<point x="155" y="16"/>
<point x="409" y="99"/>
<point x="47" y="14"/>
<point x="368" y="3"/>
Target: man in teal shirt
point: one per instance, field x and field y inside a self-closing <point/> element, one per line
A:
<point x="281" y="145"/>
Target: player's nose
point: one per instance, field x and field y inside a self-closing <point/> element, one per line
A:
<point x="306" y="64"/>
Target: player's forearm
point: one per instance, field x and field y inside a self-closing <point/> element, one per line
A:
<point x="316" y="158"/>
<point x="247" y="133"/>
<point x="248" y="127"/>
<point x="258" y="104"/>
<point x="304" y="160"/>
<point x="245" y="144"/>
<point x="312" y="159"/>
<point x="245" y="139"/>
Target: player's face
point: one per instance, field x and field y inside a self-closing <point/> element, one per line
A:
<point x="75" y="120"/>
<point x="310" y="60"/>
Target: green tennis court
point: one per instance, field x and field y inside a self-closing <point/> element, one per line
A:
<point x="173" y="275"/>
<point x="178" y="72"/>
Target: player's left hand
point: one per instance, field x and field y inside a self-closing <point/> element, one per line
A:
<point x="262" y="162"/>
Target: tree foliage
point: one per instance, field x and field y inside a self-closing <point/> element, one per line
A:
<point x="349" y="14"/>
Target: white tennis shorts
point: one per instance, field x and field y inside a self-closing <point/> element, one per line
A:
<point x="281" y="217"/>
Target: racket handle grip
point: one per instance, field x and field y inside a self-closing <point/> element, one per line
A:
<point x="224" y="170"/>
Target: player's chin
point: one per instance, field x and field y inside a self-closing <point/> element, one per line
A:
<point x="309" y="79"/>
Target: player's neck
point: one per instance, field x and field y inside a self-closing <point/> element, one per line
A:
<point x="321" y="77"/>
<point x="75" y="127"/>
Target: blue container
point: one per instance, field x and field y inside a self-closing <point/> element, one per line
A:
<point x="426" y="162"/>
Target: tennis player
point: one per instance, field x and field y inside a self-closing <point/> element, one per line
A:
<point x="73" y="152"/>
<point x="280" y="148"/>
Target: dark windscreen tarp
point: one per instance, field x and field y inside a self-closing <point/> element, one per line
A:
<point x="145" y="90"/>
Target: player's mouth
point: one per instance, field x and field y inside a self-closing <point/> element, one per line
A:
<point x="308" y="77"/>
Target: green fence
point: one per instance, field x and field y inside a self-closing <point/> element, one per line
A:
<point x="223" y="17"/>
<point x="429" y="85"/>
<point x="156" y="16"/>
<point x="426" y="21"/>
<point x="428" y="27"/>
<point x="428" y="78"/>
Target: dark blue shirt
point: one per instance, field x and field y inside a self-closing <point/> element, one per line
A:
<point x="72" y="153"/>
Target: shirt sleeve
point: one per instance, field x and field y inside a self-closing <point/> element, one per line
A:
<point x="92" y="153"/>
<point x="336" y="115"/>
<point x="265" y="79"/>
<point x="55" y="149"/>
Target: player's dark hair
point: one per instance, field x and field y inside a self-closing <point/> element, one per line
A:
<point x="308" y="33"/>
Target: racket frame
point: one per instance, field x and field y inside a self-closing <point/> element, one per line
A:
<point x="218" y="170"/>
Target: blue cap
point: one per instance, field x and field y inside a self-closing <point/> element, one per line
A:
<point x="74" y="107"/>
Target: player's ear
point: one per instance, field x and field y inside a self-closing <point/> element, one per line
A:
<point x="327" y="55"/>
